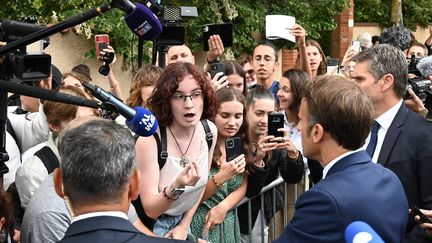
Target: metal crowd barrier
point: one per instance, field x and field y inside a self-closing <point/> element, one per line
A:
<point x="272" y="186"/>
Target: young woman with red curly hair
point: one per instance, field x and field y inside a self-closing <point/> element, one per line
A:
<point x="181" y="99"/>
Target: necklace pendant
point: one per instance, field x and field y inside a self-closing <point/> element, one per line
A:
<point x="183" y="161"/>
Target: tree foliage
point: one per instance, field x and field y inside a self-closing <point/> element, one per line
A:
<point x="248" y="16"/>
<point x="415" y="12"/>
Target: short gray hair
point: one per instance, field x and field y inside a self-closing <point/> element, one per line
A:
<point x="97" y="160"/>
<point x="386" y="59"/>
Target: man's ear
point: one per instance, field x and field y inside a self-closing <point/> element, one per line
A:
<point x="58" y="183"/>
<point x="387" y="82"/>
<point x="317" y="133"/>
<point x="134" y="185"/>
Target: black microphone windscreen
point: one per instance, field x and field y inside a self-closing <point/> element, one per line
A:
<point x="398" y="36"/>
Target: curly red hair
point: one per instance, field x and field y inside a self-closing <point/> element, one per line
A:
<point x="173" y="74"/>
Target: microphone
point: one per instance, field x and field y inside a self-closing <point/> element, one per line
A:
<point x="397" y="36"/>
<point x="425" y="66"/>
<point x="361" y="232"/>
<point x="141" y="121"/>
<point x="19" y="28"/>
<point x="46" y="94"/>
<point x="142" y="21"/>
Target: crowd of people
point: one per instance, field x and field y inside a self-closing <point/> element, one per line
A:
<point x="77" y="175"/>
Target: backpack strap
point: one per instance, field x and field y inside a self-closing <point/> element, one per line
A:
<point x="49" y="159"/>
<point x="161" y="146"/>
<point x="11" y="131"/>
<point x="209" y="134"/>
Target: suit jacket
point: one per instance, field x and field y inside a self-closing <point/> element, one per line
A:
<point x="354" y="189"/>
<point x="107" y="229"/>
<point x="407" y="151"/>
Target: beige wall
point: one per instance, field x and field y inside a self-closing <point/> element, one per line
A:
<point x="68" y="49"/>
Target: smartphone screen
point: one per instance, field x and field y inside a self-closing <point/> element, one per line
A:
<point x="225" y="31"/>
<point x="275" y="121"/>
<point x="233" y="148"/>
<point x="101" y="41"/>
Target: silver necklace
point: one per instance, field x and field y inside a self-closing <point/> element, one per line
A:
<point x="183" y="160"/>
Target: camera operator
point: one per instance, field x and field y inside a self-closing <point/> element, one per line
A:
<point x="419" y="85"/>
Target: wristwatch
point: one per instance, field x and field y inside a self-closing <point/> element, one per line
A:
<point x="176" y="192"/>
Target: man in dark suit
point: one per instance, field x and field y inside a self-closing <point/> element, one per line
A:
<point x="335" y="118"/>
<point x="98" y="179"/>
<point x="402" y="141"/>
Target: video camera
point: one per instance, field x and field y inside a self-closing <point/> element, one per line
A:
<point x="418" y="84"/>
<point x="19" y="63"/>
<point x="173" y="33"/>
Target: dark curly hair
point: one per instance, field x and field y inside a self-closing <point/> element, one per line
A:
<point x="166" y="86"/>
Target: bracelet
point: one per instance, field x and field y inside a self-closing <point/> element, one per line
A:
<point x="215" y="182"/>
<point x="166" y="196"/>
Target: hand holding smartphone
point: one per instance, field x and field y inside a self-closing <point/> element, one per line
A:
<point x="233" y="148"/>
<point x="355" y="45"/>
<point x="423" y="218"/>
<point x="275" y="121"/>
<point x="102" y="42"/>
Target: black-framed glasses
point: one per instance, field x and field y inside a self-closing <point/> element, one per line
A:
<point x="182" y="97"/>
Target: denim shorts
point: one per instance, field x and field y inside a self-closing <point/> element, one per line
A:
<point x="165" y="223"/>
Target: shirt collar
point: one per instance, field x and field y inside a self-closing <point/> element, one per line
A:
<point x="334" y="161"/>
<point x="97" y="214"/>
<point x="386" y="119"/>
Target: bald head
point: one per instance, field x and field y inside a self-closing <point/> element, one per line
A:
<point x="180" y="53"/>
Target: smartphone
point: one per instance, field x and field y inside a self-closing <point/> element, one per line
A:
<point x="225" y="31"/>
<point x="355" y="45"/>
<point x="275" y="121"/>
<point x="332" y="65"/>
<point x="233" y="148"/>
<point x="102" y="42"/>
<point x="423" y="218"/>
<point x="216" y="68"/>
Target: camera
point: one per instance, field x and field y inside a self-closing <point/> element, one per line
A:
<point x="421" y="88"/>
<point x="25" y="67"/>
<point x="412" y="66"/>
<point x="19" y="63"/>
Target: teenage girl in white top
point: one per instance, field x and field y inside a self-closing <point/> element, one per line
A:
<point x="182" y="97"/>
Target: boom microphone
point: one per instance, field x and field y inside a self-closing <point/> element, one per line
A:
<point x="46" y="94"/>
<point x="19" y="28"/>
<point x="361" y="232"/>
<point x="140" y="19"/>
<point x="425" y="66"/>
<point x="141" y="121"/>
